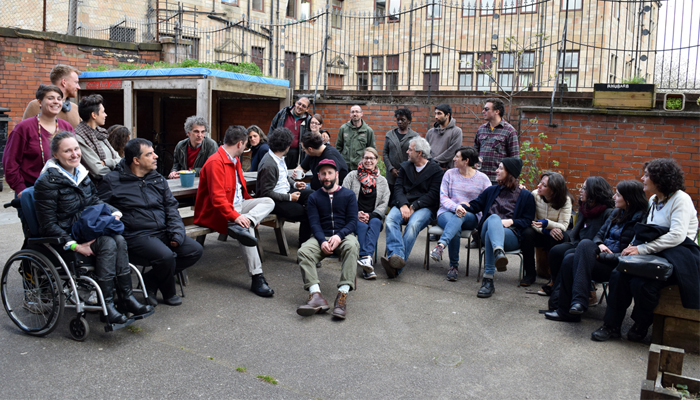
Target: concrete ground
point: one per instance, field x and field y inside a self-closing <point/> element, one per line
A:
<point x="418" y="336"/>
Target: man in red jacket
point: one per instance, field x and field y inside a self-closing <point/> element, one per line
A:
<point x="224" y="205"/>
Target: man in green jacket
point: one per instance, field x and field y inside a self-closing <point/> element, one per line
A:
<point x="354" y="137"/>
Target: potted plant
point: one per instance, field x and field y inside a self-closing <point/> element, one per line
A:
<point x="634" y="93"/>
<point x="674" y="101"/>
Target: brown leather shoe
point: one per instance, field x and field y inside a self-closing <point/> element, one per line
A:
<point x="390" y="271"/>
<point x="397" y="262"/>
<point x="316" y="305"/>
<point x="339" y="306"/>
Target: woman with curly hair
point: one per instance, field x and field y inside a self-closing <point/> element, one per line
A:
<point x="257" y="143"/>
<point x="594" y="206"/>
<point x="552" y="215"/>
<point x="671" y="207"/>
<point x="595" y="259"/>
<point x="118" y="135"/>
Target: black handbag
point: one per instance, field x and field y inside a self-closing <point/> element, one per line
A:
<point x="646" y="266"/>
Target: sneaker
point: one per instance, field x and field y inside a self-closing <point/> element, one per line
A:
<point x="452" y="274"/>
<point x="436" y="254"/>
<point x="370" y="276"/>
<point x="366" y="264"/>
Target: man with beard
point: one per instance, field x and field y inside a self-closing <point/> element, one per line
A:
<point x="445" y="137"/>
<point x="332" y="212"/>
<point x="297" y="119"/>
<point x="66" y="78"/>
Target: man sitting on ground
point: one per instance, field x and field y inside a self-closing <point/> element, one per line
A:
<point x="415" y="202"/>
<point x="224" y="205"/>
<point x="333" y="218"/>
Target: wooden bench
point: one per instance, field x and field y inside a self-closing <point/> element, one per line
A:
<point x="278" y="225"/>
<point x="675" y="325"/>
<point x="198" y="233"/>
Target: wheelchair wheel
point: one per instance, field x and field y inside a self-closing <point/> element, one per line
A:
<point x="31" y="292"/>
<point x="79" y="328"/>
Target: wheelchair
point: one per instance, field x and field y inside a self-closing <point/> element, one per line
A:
<point x="41" y="280"/>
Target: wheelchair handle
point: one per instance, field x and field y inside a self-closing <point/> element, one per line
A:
<point x="14" y="203"/>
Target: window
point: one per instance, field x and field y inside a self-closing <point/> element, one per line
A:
<point x="616" y="10"/>
<point x="432" y="61"/>
<point x="377" y="63"/>
<point x="431" y="74"/>
<point x="304" y="71"/>
<point x="379" y="11"/>
<point x="434" y="9"/>
<point x="630" y="16"/>
<point x="509" y="7"/>
<point x="483" y="82"/>
<point x="258" y="5"/>
<point x="377" y="82"/>
<point x="377" y="72"/>
<point x="612" y="69"/>
<point x="257" y="56"/>
<point x="570" y="60"/>
<point x="487" y="7"/>
<point x="394" y="10"/>
<point x="335" y="81"/>
<point x="336" y="18"/>
<point x="362" y="73"/>
<point x="527" y="60"/>
<point x="230" y="2"/>
<point x="528" y="6"/>
<point x="466" y="61"/>
<point x="468" y="8"/>
<point x="465" y="81"/>
<point x="291" y="9"/>
<point x="571" y="5"/>
<point x="525" y="80"/>
<point x="568" y="81"/>
<point x="392" y="74"/>
<point x="305" y="10"/>
<point x="290" y="67"/>
<point x="505" y="81"/>
<point x="484" y="60"/>
<point x="507" y="61"/>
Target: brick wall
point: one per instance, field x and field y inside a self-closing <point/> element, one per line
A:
<point x="26" y="62"/>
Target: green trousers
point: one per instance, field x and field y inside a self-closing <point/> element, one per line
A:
<point x="310" y="254"/>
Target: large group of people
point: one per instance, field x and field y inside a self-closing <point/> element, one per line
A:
<point x="348" y="201"/>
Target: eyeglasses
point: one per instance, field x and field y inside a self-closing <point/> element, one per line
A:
<point x="581" y="186"/>
<point x="302" y="105"/>
<point x="486" y="109"/>
<point x="369" y="158"/>
<point x="315" y="123"/>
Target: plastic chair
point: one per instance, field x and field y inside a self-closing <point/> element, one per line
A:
<point x="437" y="231"/>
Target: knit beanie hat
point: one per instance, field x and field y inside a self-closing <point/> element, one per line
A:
<point x="513" y="165"/>
<point x="444" y="108"/>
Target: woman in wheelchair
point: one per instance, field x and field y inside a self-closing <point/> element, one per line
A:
<point x="62" y="193"/>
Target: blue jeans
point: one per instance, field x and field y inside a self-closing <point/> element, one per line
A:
<point x="452" y="227"/>
<point x="402" y="246"/>
<point x="367" y="235"/>
<point x="494" y="235"/>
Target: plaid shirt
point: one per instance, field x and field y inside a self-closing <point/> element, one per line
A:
<point x="495" y="145"/>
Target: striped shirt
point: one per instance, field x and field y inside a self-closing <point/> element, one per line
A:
<point x="495" y="145"/>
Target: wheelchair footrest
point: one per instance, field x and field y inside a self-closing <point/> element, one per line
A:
<point x="142" y="316"/>
<point x="113" y="327"/>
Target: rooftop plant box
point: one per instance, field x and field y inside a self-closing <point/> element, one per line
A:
<point x="635" y="96"/>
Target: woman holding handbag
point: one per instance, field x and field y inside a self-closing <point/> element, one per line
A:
<point x="596" y="259"/>
<point x="671" y="207"/>
<point x="62" y="193"/>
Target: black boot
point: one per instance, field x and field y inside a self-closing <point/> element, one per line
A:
<point x="127" y="299"/>
<point x="260" y="287"/>
<point x="113" y="316"/>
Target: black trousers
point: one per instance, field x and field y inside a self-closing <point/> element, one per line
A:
<point x="530" y="239"/>
<point x="292" y="158"/>
<point x="166" y="261"/>
<point x="556" y="257"/>
<point x="111" y="258"/>
<point x="625" y="287"/>
<point x="296" y="211"/>
<point x="577" y="271"/>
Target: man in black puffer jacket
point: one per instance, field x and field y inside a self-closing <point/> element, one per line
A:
<point x="153" y="228"/>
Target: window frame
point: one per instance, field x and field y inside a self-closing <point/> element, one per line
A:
<point x="336" y="15"/>
<point x="431" y="5"/>
<point x="565" y="5"/>
<point x="293" y="3"/>
<point x="485" y="10"/>
<point x="233" y="3"/>
<point x="262" y="5"/>
<point x="467" y="9"/>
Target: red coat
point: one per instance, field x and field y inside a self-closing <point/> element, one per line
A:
<point x="217" y="188"/>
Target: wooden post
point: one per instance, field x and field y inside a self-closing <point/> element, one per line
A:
<point x="204" y="99"/>
<point x="129" y="118"/>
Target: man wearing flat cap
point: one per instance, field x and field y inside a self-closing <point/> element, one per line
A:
<point x="332" y="212"/>
<point x="507" y="211"/>
<point x="445" y="137"/>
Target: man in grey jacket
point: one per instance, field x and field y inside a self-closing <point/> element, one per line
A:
<point x="445" y="137"/>
<point x="195" y="150"/>
<point x="274" y="182"/>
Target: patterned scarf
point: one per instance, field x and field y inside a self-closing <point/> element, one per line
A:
<point x="92" y="137"/>
<point x="367" y="178"/>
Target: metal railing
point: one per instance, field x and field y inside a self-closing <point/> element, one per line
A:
<point x="482" y="45"/>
